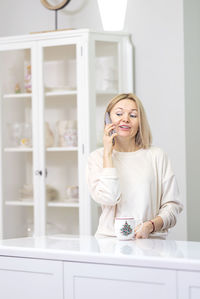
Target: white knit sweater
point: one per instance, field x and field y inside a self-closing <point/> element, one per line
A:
<point x="141" y="184"/>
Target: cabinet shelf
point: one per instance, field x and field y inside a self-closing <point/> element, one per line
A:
<point x="61" y="204"/>
<point x="17" y="95"/>
<point x="49" y="149"/>
<point x="62" y="149"/>
<point x="18" y="149"/>
<point x="19" y="203"/>
<point x="47" y="94"/>
<point x="60" y="93"/>
<point x="107" y="92"/>
<point x="57" y="204"/>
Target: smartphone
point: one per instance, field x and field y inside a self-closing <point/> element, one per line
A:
<point x="108" y="121"/>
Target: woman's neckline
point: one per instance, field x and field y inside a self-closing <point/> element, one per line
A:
<point x="131" y="153"/>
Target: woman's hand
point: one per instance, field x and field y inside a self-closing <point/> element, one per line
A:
<point x="108" y="138"/>
<point x="144" y="232"/>
<point x="148" y="228"/>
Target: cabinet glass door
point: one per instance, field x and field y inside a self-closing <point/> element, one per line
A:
<point x="61" y="139"/>
<point x="107" y="81"/>
<point x="16" y="143"/>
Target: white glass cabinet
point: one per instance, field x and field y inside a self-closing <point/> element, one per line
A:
<point x="53" y="91"/>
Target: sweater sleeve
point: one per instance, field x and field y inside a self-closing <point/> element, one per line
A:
<point x="170" y="205"/>
<point x="103" y="183"/>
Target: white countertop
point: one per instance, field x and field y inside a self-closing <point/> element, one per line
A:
<point x="153" y="252"/>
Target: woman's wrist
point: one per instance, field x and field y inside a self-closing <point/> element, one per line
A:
<point x="107" y="153"/>
<point x="153" y="226"/>
<point x="149" y="226"/>
<point x="107" y="160"/>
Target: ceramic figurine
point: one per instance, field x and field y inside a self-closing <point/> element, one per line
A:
<point x="28" y="84"/>
<point x="49" y="137"/>
<point x="17" y="88"/>
<point x="67" y="133"/>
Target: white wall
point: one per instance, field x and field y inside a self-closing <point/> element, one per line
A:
<point x="157" y="33"/>
<point x="25" y="16"/>
<point x="192" y="104"/>
<point x="156" y="27"/>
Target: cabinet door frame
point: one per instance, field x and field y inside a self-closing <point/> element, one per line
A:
<point x="86" y="113"/>
<point x="38" y="142"/>
<point x="83" y="129"/>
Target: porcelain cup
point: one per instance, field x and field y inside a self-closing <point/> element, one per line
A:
<point x="125" y="227"/>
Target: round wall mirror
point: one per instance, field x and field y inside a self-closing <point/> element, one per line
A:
<point x="61" y="4"/>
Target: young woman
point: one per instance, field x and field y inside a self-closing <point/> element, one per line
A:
<point x="128" y="176"/>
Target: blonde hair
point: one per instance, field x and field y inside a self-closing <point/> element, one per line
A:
<point x="143" y="137"/>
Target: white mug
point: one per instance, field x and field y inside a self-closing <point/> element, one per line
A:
<point x="125" y="227"/>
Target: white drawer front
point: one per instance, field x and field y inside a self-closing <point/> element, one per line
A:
<point x="188" y="285"/>
<point x="91" y="281"/>
<point x="30" y="279"/>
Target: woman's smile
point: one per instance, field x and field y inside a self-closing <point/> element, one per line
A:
<point x="124" y="127"/>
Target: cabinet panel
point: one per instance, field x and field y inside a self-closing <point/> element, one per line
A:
<point x="188" y="285"/>
<point x="103" y="281"/>
<point x="29" y="278"/>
